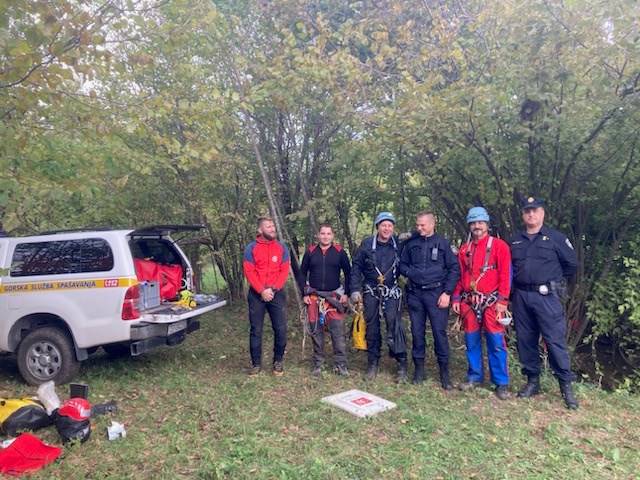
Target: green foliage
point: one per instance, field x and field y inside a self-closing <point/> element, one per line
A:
<point x="614" y="308"/>
<point x="137" y="112"/>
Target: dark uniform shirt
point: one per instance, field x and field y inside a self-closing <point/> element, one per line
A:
<point x="427" y="261"/>
<point x="365" y="261"/>
<point x="547" y="256"/>
<point x="323" y="268"/>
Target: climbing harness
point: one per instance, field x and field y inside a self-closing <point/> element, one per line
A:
<point x="485" y="265"/>
<point x="479" y="302"/>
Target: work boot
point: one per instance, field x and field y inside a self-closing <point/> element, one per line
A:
<point x="531" y="388"/>
<point x="255" y="370"/>
<point x="401" y="375"/>
<point x="341" y="370"/>
<point x="465" y="386"/>
<point x="418" y="373"/>
<point x="316" y="371"/>
<point x="372" y="371"/>
<point x="444" y="379"/>
<point x="567" y="394"/>
<point x="278" y="369"/>
<point x="502" y="392"/>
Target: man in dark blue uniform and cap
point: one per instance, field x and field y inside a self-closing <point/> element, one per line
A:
<point x="542" y="259"/>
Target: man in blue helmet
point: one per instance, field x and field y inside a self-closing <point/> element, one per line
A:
<point x="431" y="267"/>
<point x="542" y="259"/>
<point x="481" y="298"/>
<point x="374" y="281"/>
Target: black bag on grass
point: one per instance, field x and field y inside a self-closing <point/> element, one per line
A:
<point x="18" y="414"/>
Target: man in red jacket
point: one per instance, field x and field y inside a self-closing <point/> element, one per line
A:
<point x="266" y="266"/>
<point x="481" y="298"/>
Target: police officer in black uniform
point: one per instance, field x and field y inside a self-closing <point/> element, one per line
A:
<point x="433" y="271"/>
<point x="374" y="281"/>
<point x="542" y="259"/>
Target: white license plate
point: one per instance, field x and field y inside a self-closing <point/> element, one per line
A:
<point x="176" y="327"/>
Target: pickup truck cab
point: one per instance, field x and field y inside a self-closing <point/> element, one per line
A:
<point x="63" y="294"/>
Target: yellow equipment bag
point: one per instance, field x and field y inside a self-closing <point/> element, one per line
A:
<point x="358" y="330"/>
<point x="17" y="414"/>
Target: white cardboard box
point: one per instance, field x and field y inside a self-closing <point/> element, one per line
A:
<point x="359" y="403"/>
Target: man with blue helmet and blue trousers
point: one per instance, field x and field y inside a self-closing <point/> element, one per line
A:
<point x="542" y="259"/>
<point x="432" y="269"/>
<point x="481" y="298"/>
<point x="374" y="281"/>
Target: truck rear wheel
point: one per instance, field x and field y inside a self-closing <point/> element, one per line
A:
<point x="47" y="354"/>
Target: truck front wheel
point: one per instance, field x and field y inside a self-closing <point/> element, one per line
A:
<point x="47" y="354"/>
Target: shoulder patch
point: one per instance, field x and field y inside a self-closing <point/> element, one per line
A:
<point x="568" y="243"/>
<point x="312" y="247"/>
<point x="337" y="246"/>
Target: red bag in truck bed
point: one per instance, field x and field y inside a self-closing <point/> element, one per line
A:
<point x="170" y="281"/>
<point x="169" y="277"/>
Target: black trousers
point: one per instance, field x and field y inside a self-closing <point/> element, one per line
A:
<point x="277" y="312"/>
<point x="391" y="313"/>
<point x="423" y="304"/>
<point x="535" y="315"/>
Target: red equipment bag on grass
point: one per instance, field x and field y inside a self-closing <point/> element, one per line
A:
<point x="27" y="453"/>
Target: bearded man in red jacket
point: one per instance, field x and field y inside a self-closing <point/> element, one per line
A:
<point x="481" y="298"/>
<point x="266" y="267"/>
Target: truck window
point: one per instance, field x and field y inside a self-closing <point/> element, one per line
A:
<point x="61" y="257"/>
<point x="157" y="250"/>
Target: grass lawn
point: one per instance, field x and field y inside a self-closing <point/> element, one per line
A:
<point x="192" y="412"/>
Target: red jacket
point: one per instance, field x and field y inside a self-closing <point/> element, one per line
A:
<point x="266" y="264"/>
<point x="498" y="276"/>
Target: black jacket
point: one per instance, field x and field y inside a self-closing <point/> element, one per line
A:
<point x="322" y="270"/>
<point x="365" y="261"/>
<point x="548" y="257"/>
<point x="428" y="261"/>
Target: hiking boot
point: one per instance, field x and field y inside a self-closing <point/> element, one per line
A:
<point x="502" y="392"/>
<point x="401" y="374"/>
<point x="341" y="370"/>
<point x="255" y="370"/>
<point x="372" y="371"/>
<point x="567" y="394"/>
<point x="316" y="371"/>
<point x="531" y="388"/>
<point x="418" y="373"/>
<point x="465" y="386"/>
<point x="445" y="383"/>
<point x="278" y="369"/>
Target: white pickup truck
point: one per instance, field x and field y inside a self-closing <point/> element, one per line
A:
<point x="63" y="294"/>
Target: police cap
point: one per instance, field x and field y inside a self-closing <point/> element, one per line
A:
<point x="532" y="202"/>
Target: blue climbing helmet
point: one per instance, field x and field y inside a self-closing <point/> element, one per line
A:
<point x="477" y="214"/>
<point x="382" y="216"/>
